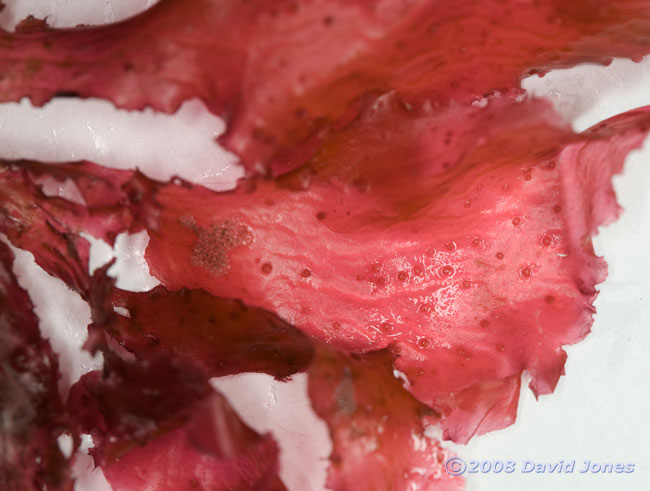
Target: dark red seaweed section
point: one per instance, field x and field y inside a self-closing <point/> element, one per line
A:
<point x="130" y="403"/>
<point x="215" y="450"/>
<point x="377" y="428"/>
<point x="157" y="424"/>
<point x="284" y="73"/>
<point x="155" y="420"/>
<point x="216" y="336"/>
<point x="31" y="410"/>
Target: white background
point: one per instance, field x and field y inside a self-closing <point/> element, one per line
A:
<point x="599" y="410"/>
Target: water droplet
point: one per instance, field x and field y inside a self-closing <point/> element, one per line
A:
<point x="447" y="271"/>
<point x="425" y="308"/>
<point x="431" y="251"/>
<point x="153" y="340"/>
<point x="418" y="271"/>
<point x="376" y="267"/>
<point x="402" y="276"/>
<point x="546" y="240"/>
<point x="267" y="268"/>
<point x="450" y="246"/>
<point x="464" y="354"/>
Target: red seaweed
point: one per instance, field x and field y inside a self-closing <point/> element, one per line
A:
<point x="407" y="213"/>
<point x="472" y="273"/>
<point x="216" y="336"/>
<point x="30" y="405"/>
<point x="156" y="422"/>
<point x="283" y="73"/>
<point x="214" y="450"/>
<point x="378" y="429"/>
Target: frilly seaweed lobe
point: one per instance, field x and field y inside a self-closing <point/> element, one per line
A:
<point x="474" y="268"/>
<point x="377" y="428"/>
<point x="282" y="73"/>
<point x="216" y="336"/>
